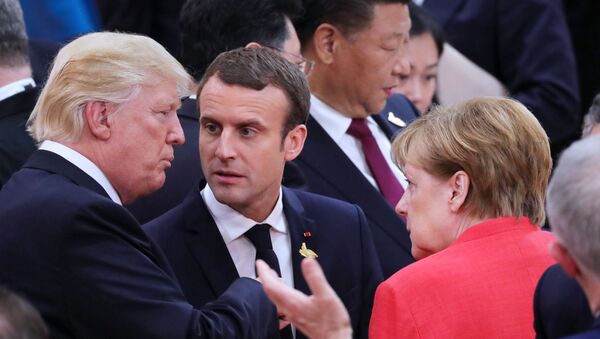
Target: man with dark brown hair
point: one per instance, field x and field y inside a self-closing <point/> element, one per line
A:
<point x="253" y="106"/>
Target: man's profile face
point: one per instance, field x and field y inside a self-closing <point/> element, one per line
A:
<point x="367" y="63"/>
<point x="241" y="145"/>
<point x="143" y="132"/>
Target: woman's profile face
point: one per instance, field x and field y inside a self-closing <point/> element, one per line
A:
<point x="425" y="205"/>
<point x="420" y="84"/>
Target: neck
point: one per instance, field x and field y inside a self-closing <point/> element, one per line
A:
<point x="466" y="222"/>
<point x="324" y="85"/>
<point x="11" y="74"/>
<point x="591" y="287"/>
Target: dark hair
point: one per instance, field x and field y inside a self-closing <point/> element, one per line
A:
<point x="422" y="23"/>
<point x="349" y="16"/>
<point x="14" y="49"/>
<point x="256" y="68"/>
<point x="592" y="117"/>
<point x="210" y="27"/>
<point x="18" y="319"/>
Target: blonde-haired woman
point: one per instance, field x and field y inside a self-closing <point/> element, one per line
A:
<point x="478" y="174"/>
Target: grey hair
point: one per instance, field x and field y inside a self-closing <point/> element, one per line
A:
<point x="573" y="202"/>
<point x="592" y="117"/>
<point x="14" y="49"/>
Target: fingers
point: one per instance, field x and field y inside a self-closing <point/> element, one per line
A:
<point x="315" y="278"/>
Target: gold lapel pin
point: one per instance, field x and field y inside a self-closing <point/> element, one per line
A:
<point x="395" y="120"/>
<point x="307" y="252"/>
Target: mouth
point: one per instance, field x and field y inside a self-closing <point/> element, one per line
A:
<point x="227" y="176"/>
<point x="388" y="90"/>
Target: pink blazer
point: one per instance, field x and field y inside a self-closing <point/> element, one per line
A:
<point x="481" y="286"/>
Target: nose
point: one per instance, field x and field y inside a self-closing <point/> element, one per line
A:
<point x="402" y="65"/>
<point x="175" y="134"/>
<point x="402" y="206"/>
<point x="225" y="149"/>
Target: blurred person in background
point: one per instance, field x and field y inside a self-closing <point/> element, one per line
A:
<point x="525" y="45"/>
<point x="560" y="305"/>
<point x="18" y="91"/>
<point x="425" y="47"/>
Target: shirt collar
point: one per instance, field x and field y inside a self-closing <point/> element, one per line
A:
<point x="335" y="123"/>
<point x="83" y="164"/>
<point x="16" y="87"/>
<point x="233" y="224"/>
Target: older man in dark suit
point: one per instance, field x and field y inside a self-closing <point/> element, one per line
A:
<point x="359" y="49"/>
<point x="253" y="107"/>
<point x="107" y="123"/>
<point x="572" y="204"/>
<point x="17" y="90"/>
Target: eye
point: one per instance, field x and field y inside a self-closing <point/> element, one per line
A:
<point x="247" y="131"/>
<point x="211" y="127"/>
<point x="431" y="77"/>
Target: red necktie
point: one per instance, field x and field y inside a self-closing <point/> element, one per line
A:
<point x="385" y="178"/>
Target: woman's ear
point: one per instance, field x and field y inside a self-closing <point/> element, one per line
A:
<point x="96" y="114"/>
<point x="459" y="186"/>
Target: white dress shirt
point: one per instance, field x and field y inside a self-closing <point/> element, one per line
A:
<point x="336" y="125"/>
<point x="16" y="87"/>
<point x="83" y="164"/>
<point x="232" y="225"/>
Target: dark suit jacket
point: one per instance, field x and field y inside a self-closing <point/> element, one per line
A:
<point x="15" y="143"/>
<point x="593" y="333"/>
<point x="339" y="234"/>
<point x="560" y="307"/>
<point x="526" y="45"/>
<point x="87" y="266"/>
<point x="328" y="171"/>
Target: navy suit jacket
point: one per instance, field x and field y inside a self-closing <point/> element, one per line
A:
<point x="87" y="266"/>
<point x="560" y="307"/>
<point x="593" y="333"/>
<point x="526" y="45"/>
<point x="339" y="234"/>
<point x="16" y="145"/>
<point x="328" y="171"/>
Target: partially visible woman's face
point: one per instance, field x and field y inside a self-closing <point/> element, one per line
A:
<point x="425" y="205"/>
<point x="420" y="84"/>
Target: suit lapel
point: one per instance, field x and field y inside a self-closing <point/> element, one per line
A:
<point x="302" y="230"/>
<point x="206" y="244"/>
<point x="322" y="155"/>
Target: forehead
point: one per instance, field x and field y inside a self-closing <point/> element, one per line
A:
<point x="218" y="99"/>
<point x="389" y="21"/>
<point x="161" y="93"/>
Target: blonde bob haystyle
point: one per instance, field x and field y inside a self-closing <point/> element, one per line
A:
<point x="499" y="144"/>
<point x="103" y="66"/>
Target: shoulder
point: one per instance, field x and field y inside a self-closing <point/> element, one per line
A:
<point x="315" y="203"/>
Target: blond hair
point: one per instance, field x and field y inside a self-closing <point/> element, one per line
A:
<point x="497" y="142"/>
<point x="104" y="66"/>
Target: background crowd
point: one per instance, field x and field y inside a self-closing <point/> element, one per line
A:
<point x="152" y="152"/>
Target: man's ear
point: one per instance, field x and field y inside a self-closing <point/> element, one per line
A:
<point x="294" y="142"/>
<point x="562" y="256"/>
<point x="252" y="44"/>
<point x="325" y="41"/>
<point x="96" y="115"/>
<point x="458" y="185"/>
